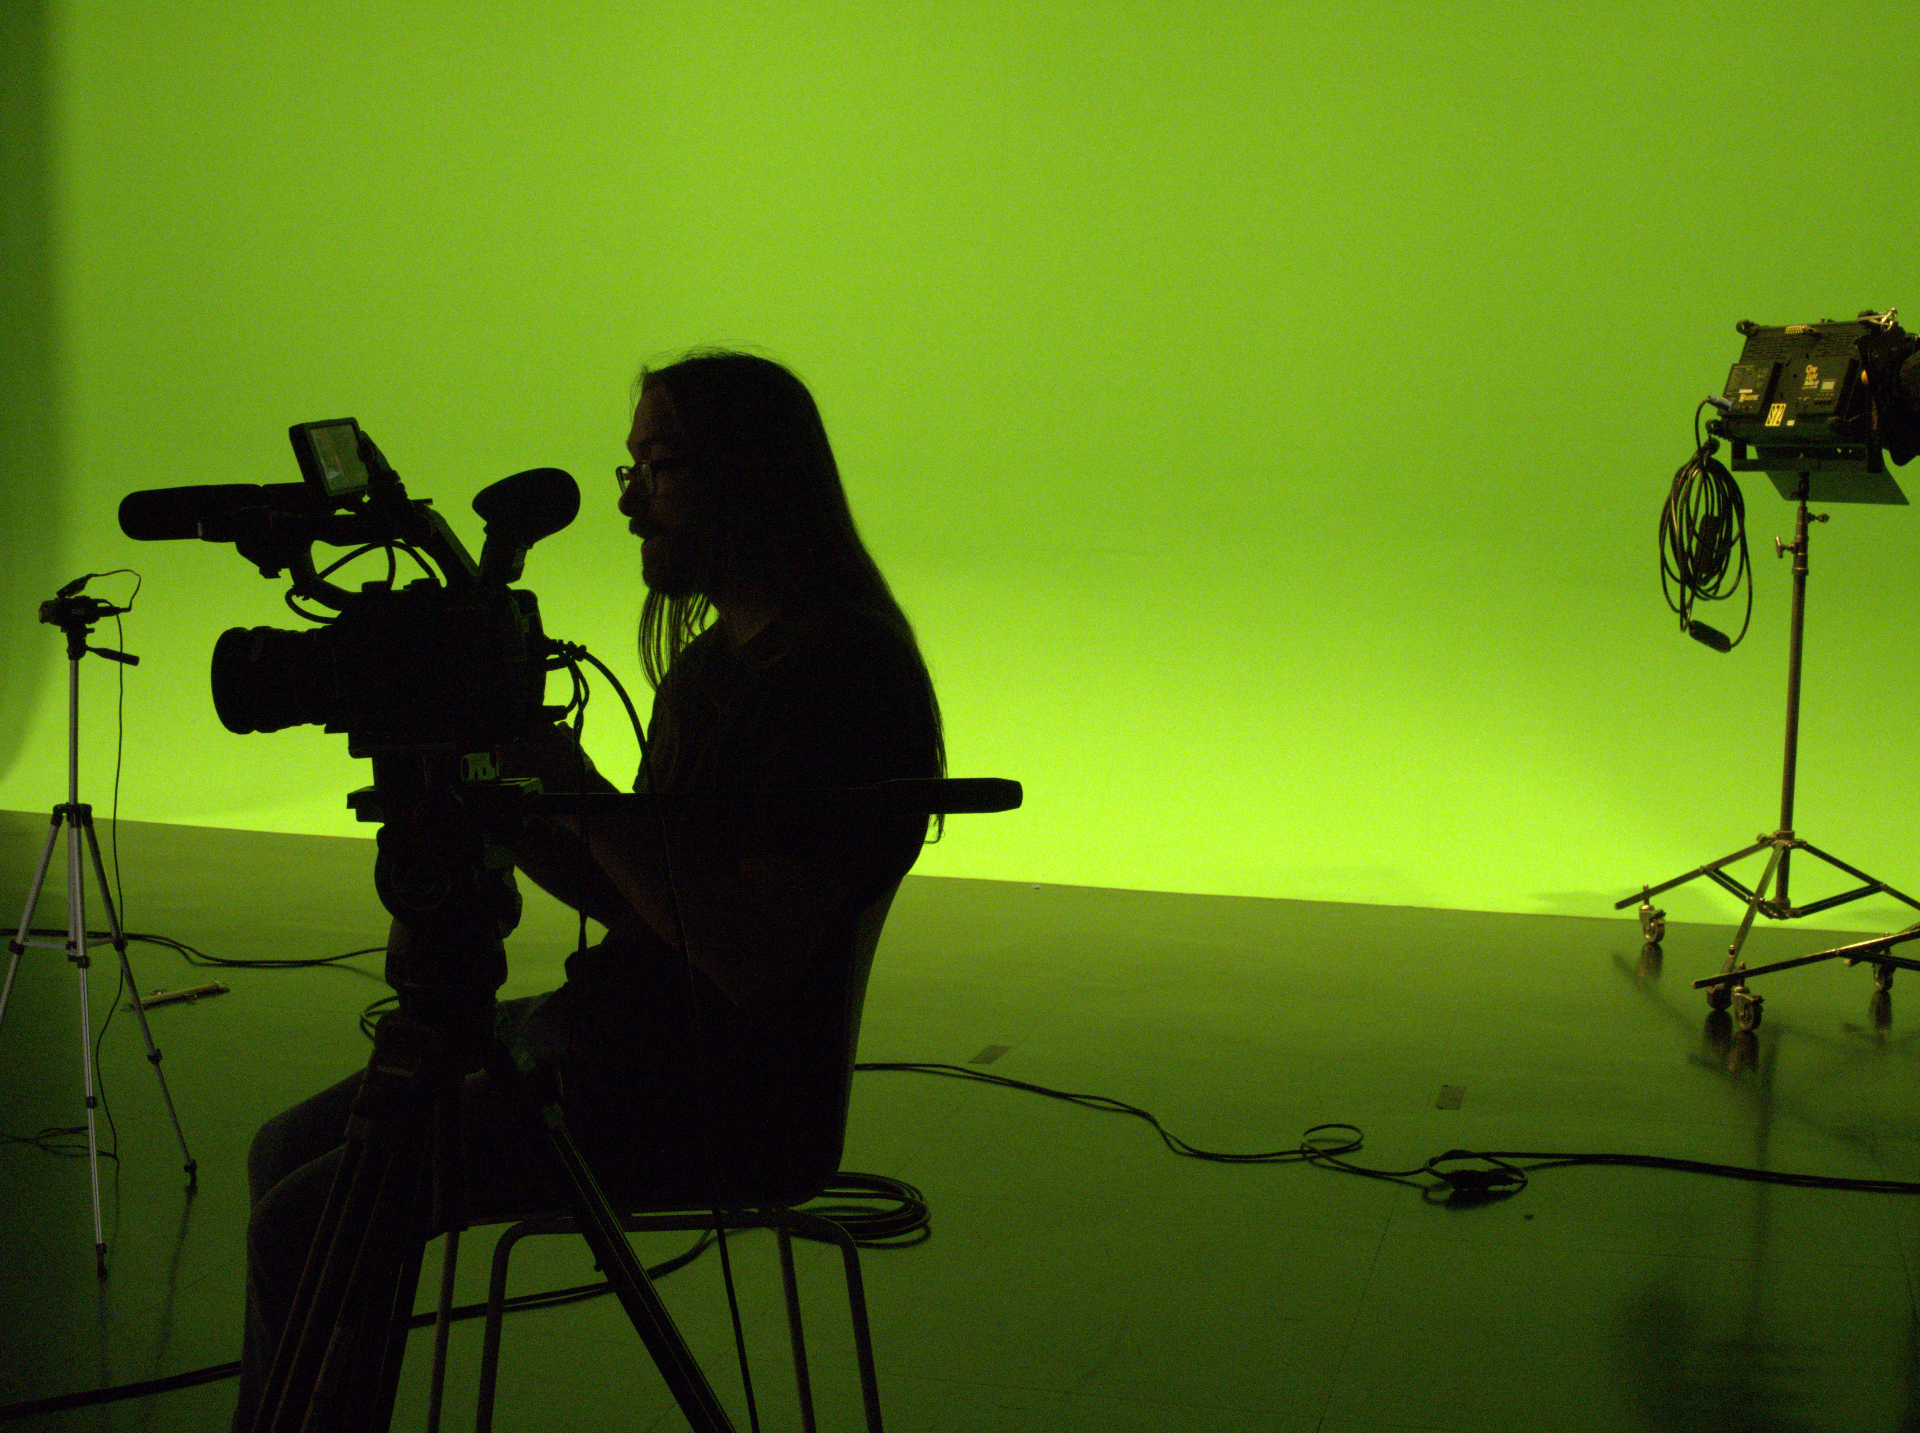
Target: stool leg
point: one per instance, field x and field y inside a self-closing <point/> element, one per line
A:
<point x="490" y="1340"/>
<point x="862" y="1334"/>
<point x="800" y="1374"/>
<point x="442" y="1326"/>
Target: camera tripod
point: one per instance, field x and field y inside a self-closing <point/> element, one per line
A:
<point x="1730" y="986"/>
<point x="75" y="616"/>
<point x="449" y="883"/>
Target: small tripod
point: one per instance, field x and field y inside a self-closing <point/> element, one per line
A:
<point x="1729" y="987"/>
<point x="75" y="616"/>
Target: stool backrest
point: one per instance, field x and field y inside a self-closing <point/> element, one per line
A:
<point x="792" y="1147"/>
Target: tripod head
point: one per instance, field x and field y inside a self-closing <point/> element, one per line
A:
<point x="444" y="874"/>
<point x="76" y="615"/>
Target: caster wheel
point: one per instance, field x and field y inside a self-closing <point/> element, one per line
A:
<point x="1883" y="977"/>
<point x="1653" y="923"/>
<point x="1746" y="1009"/>
<point x="1719" y="997"/>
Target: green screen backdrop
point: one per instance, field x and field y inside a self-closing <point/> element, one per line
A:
<point x="1263" y="410"/>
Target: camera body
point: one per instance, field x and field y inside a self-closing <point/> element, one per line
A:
<point x="456" y="661"/>
<point x="414" y="666"/>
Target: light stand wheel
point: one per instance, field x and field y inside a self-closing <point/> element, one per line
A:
<point x="1719" y="997"/>
<point x="1653" y="923"/>
<point x="1746" y="1008"/>
<point x="1883" y="977"/>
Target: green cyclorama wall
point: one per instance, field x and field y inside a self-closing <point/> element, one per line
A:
<point x="1263" y="410"/>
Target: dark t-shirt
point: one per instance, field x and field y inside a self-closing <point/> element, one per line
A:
<point x="831" y="701"/>
<point x="827" y="701"/>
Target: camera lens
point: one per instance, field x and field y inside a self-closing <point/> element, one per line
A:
<point x="266" y="679"/>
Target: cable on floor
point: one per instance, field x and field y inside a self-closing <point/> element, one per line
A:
<point x="1457" y="1177"/>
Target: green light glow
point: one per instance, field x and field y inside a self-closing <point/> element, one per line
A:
<point x="1263" y="410"/>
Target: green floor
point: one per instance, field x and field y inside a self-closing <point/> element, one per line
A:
<point x="1081" y="1275"/>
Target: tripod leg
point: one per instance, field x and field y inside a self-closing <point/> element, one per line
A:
<point x="19" y="943"/>
<point x="1859" y="875"/>
<point x="348" y="1361"/>
<point x="1712" y="869"/>
<point x="6" y="990"/>
<point x="286" y="1390"/>
<point x="77" y="953"/>
<point x="139" y="1008"/>
<point x="442" y="1327"/>
<point x="398" y="1315"/>
<point x="608" y="1241"/>
<point x="353" y="1374"/>
<point x="436" y="1191"/>
<point x="350" y="1222"/>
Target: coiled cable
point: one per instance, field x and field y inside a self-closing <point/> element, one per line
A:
<point x="1703" y="522"/>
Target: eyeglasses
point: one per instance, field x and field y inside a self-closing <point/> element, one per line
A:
<point x="646" y="474"/>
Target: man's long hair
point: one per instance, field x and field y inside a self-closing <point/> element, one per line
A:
<point x="770" y="504"/>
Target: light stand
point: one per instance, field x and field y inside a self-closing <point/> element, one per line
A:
<point x="75" y="616"/>
<point x="1729" y="987"/>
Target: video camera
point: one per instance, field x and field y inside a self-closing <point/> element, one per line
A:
<point x="1823" y="399"/>
<point x="454" y="660"/>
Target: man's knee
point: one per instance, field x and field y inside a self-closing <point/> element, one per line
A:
<point x="294" y="1137"/>
<point x="267" y="1157"/>
<point x="285" y="1214"/>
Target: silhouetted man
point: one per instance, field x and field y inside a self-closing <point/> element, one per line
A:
<point x="780" y="659"/>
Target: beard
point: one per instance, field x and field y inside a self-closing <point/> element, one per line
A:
<point x="674" y="566"/>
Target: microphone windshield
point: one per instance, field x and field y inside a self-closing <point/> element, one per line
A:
<point x="158" y="514"/>
<point x="528" y="506"/>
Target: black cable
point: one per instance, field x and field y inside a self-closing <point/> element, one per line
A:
<point x="119" y="888"/>
<point x="577" y="705"/>
<point x="44" y="1139"/>
<point x="909" y="1221"/>
<point x="1702" y="523"/>
<point x="54" y="1140"/>
<point x="393" y="573"/>
<point x="1703" y="544"/>
<point x="1326" y="1149"/>
<point x="194" y="956"/>
<point x="390" y="548"/>
<point x="370" y="1016"/>
<point x="294" y="607"/>
<point x="100" y="1079"/>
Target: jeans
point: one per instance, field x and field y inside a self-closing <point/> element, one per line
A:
<point x="637" y="1121"/>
